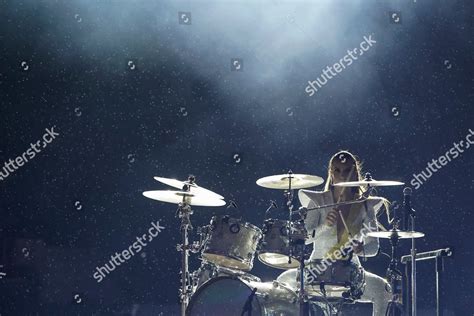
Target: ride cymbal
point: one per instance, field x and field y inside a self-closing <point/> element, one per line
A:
<point x="282" y="181"/>
<point x="372" y="183"/>
<point x="400" y="233"/>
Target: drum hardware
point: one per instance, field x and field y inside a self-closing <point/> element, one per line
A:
<point x="191" y="194"/>
<point x="296" y="238"/>
<point x="209" y="270"/>
<point x="232" y="204"/>
<point x="274" y="248"/>
<point x="438" y="256"/>
<point x="272" y="205"/>
<point x="184" y="212"/>
<point x="394" y="276"/>
<point x="409" y="216"/>
<point x="231" y="243"/>
<point x="248" y="304"/>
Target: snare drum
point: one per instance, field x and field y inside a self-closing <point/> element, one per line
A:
<point x="274" y="249"/>
<point x="231" y="243"/>
<point x="338" y="279"/>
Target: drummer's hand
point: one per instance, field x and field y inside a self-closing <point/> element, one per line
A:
<point x="331" y="218"/>
<point x="359" y="246"/>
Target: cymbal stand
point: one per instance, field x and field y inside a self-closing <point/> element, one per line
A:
<point x="394" y="276"/>
<point x="183" y="212"/>
<point x="297" y="243"/>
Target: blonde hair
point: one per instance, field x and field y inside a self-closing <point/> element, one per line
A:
<point x="344" y="156"/>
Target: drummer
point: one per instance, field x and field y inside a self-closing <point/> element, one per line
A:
<point x="331" y="230"/>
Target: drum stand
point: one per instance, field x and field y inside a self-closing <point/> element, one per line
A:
<point x="411" y="215"/>
<point x="394" y="277"/>
<point x="184" y="211"/>
<point x="297" y="242"/>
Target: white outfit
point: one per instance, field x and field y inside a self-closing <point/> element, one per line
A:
<point x="324" y="238"/>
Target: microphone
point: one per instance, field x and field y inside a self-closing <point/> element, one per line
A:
<point x="232" y="204"/>
<point x="407" y="207"/>
<point x="272" y="205"/>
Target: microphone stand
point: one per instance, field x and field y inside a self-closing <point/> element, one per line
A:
<point x="410" y="216"/>
<point x="438" y="256"/>
<point x="248" y="304"/>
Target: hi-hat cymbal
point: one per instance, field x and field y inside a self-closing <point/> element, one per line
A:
<point x="282" y="181"/>
<point x="191" y="198"/>
<point x="194" y="187"/>
<point x="372" y="183"/>
<point x="400" y="233"/>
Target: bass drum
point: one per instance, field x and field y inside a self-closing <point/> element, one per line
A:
<point x="230" y="296"/>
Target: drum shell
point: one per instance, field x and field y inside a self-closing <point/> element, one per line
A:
<point x="274" y="248"/>
<point x="231" y="243"/>
<point x="338" y="277"/>
<point x="227" y="296"/>
<point x="209" y="271"/>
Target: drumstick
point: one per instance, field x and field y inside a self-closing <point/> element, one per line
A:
<point x="345" y="225"/>
<point x="344" y="188"/>
<point x="340" y="197"/>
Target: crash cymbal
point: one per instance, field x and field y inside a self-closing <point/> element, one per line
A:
<point x="194" y="187"/>
<point x="368" y="181"/>
<point x="191" y="198"/>
<point x="401" y="234"/>
<point x="282" y="181"/>
<point x="372" y="183"/>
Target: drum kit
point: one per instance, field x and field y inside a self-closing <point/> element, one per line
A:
<point x="227" y="248"/>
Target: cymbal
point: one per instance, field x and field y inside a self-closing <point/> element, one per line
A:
<point x="194" y="187"/>
<point x="401" y="234"/>
<point x="282" y="181"/>
<point x="372" y="183"/>
<point x="191" y="198"/>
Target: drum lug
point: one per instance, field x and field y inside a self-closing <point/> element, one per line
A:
<point x="234" y="228"/>
<point x="235" y="253"/>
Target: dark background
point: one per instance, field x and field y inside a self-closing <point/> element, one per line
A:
<point x="182" y="110"/>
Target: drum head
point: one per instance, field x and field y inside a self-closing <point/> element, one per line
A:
<point x="223" y="296"/>
<point x="277" y="260"/>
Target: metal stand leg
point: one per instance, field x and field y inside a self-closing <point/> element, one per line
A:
<point x="184" y="211"/>
<point x="439" y="269"/>
<point x="394" y="275"/>
<point x="413" y="269"/>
